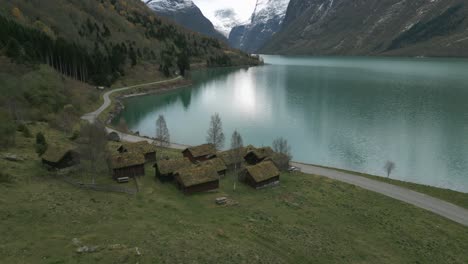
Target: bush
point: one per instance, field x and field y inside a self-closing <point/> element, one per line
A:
<point x="41" y="144"/>
<point x="75" y="135"/>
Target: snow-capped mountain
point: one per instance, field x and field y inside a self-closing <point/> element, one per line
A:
<point x="224" y="20"/>
<point x="185" y="13"/>
<point x="373" y="27"/>
<point x="266" y="20"/>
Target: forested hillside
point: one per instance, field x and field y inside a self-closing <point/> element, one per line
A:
<point x="53" y="51"/>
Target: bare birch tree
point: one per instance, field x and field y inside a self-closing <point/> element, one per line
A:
<point x="215" y="132"/>
<point x="389" y="167"/>
<point x="280" y="145"/>
<point x="93" y="150"/>
<point x="163" y="138"/>
<point x="236" y="152"/>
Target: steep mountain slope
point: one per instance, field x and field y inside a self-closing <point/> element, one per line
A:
<point x="185" y="13"/>
<point x="373" y="27"/>
<point x="265" y="22"/>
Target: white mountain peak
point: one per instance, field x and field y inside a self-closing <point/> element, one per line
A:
<point x="169" y="5"/>
<point x="266" y="10"/>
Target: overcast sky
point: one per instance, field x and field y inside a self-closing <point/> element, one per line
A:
<point x="243" y="8"/>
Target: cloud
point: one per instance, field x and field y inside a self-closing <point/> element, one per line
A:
<point x="243" y="8"/>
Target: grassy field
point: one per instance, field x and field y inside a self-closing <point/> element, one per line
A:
<point x="307" y="219"/>
<point x="458" y="198"/>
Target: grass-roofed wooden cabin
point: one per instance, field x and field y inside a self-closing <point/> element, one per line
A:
<point x="232" y="157"/>
<point x="128" y="164"/>
<point x="218" y="164"/>
<point x="262" y="174"/>
<point x="197" y="178"/>
<point x="258" y="155"/>
<point x="59" y="157"/>
<point x="143" y="147"/>
<point x="165" y="169"/>
<point x="200" y="153"/>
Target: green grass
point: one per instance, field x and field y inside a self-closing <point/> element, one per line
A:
<point x="457" y="198"/>
<point x="307" y="219"/>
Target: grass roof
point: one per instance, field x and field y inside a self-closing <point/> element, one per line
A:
<point x="202" y="150"/>
<point x="127" y="159"/>
<point x="262" y="153"/>
<point x="142" y="147"/>
<point x="56" y="153"/>
<point x="229" y="156"/>
<point x="279" y="159"/>
<point x="263" y="171"/>
<point x="172" y="165"/>
<point x="217" y="163"/>
<point x="196" y="175"/>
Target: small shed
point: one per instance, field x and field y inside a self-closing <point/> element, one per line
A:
<point x="60" y="157"/>
<point x="165" y="169"/>
<point x="262" y="174"/>
<point x="128" y="164"/>
<point x="142" y="147"/>
<point x="200" y="153"/>
<point x="199" y="178"/>
<point x="256" y="156"/>
<point x="218" y="164"/>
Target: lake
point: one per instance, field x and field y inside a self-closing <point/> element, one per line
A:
<point x="352" y="113"/>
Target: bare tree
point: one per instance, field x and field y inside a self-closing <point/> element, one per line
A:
<point x="163" y="138"/>
<point x="93" y="151"/>
<point x="215" y="132"/>
<point x="389" y="167"/>
<point x="280" y="145"/>
<point x="236" y="151"/>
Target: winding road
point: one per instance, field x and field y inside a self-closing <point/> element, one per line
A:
<point x="437" y="206"/>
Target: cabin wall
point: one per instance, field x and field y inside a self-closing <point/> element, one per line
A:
<point x="189" y="155"/>
<point x="250" y="181"/>
<point x="134" y="171"/>
<point x="201" y="187"/>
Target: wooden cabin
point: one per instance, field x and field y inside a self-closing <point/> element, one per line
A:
<point x="258" y="155"/>
<point x="60" y="157"/>
<point x="261" y="175"/>
<point x="128" y="164"/>
<point x="197" y="178"/>
<point x="234" y="157"/>
<point x="218" y="164"/>
<point x="165" y="169"/>
<point x="142" y="147"/>
<point x="200" y="153"/>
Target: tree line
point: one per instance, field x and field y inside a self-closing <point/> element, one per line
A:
<point x="28" y="45"/>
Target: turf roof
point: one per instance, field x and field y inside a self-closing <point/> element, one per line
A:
<point x="142" y="147"/>
<point x="196" y="175"/>
<point x="56" y="153"/>
<point x="202" y="150"/>
<point x="217" y="163"/>
<point x="172" y="165"/>
<point x="263" y="171"/>
<point x="127" y="159"/>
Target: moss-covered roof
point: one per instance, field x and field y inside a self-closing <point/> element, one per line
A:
<point x="262" y="153"/>
<point x="217" y="163"/>
<point x="142" y="147"/>
<point x="172" y="165"/>
<point x="228" y="156"/>
<point x="197" y="174"/>
<point x="202" y="150"/>
<point x="263" y="171"/>
<point x="56" y="153"/>
<point x="127" y="159"/>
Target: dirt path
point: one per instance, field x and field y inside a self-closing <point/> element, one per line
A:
<point x="437" y="206"/>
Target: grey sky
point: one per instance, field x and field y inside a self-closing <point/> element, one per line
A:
<point x="243" y="8"/>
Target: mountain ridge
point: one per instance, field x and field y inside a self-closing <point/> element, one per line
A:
<point x="371" y="27"/>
